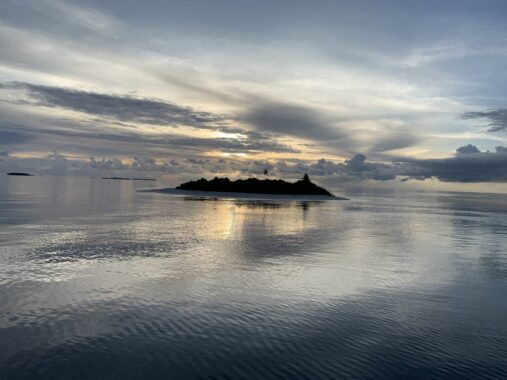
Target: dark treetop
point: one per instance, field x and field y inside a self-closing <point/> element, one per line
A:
<point x="253" y="185"/>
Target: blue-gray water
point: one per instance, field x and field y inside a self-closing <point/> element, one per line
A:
<point x="100" y="281"/>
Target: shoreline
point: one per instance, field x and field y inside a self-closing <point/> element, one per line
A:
<point x="254" y="196"/>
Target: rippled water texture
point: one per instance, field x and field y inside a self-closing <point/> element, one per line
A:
<point x="100" y="281"/>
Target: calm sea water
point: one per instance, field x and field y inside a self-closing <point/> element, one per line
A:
<point x="100" y="281"/>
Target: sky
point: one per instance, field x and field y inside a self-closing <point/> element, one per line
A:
<point x="360" y="91"/>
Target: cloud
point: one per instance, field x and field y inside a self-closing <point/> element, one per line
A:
<point x="302" y="60"/>
<point x="356" y="162"/>
<point x="89" y="18"/>
<point x="355" y="169"/>
<point x="58" y="164"/>
<point x="118" y="109"/>
<point x="472" y="167"/>
<point x="267" y="118"/>
<point x="469" y="165"/>
<point x="475" y="167"/>
<point x="124" y="108"/>
<point x="468" y="149"/>
<point x="8" y="137"/>
<point x="328" y="131"/>
<point x="127" y="142"/>
<point x="497" y="118"/>
<point x="392" y="140"/>
<point x="291" y="120"/>
<point x="110" y="131"/>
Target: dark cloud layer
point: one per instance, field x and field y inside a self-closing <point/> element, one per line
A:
<point x="120" y="107"/>
<point x="394" y="140"/>
<point x="469" y="165"/>
<point x="290" y="120"/>
<point x="116" y="110"/>
<point x="124" y="142"/>
<point x="497" y="118"/>
<point x="328" y="132"/>
<point x="266" y="120"/>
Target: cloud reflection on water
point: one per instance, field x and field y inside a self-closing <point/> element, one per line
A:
<point x="380" y="284"/>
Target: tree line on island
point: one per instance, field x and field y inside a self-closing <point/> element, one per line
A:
<point x="253" y="185"/>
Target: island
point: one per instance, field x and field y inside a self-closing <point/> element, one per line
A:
<point x="20" y="174"/>
<point x="129" y="179"/>
<point x="253" y="185"/>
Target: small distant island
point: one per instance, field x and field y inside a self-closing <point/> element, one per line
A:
<point x="130" y="179"/>
<point x="253" y="185"/>
<point x="20" y="174"/>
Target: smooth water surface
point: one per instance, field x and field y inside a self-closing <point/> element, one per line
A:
<point x="100" y="281"/>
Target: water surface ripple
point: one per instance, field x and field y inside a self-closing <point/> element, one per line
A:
<point x="99" y="281"/>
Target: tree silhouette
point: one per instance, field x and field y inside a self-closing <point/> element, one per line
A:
<point x="253" y="185"/>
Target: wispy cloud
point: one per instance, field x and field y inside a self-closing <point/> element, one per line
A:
<point x="496" y="118"/>
<point x="123" y="142"/>
<point x="66" y="12"/>
<point x="119" y="107"/>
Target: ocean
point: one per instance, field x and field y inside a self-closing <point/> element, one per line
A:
<point x="100" y="281"/>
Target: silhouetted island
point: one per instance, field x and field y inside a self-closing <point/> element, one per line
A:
<point x="253" y="185"/>
<point x="130" y="179"/>
<point x="20" y="174"/>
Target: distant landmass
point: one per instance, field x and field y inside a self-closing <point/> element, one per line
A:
<point x="20" y="174"/>
<point x="256" y="186"/>
<point x="130" y="179"/>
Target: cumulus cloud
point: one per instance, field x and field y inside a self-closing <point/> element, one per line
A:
<point x="475" y="167"/>
<point x="468" y="149"/>
<point x="496" y="118"/>
<point x="468" y="165"/>
<point x="355" y="169"/>
<point x="356" y="162"/>
<point x="58" y="164"/>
